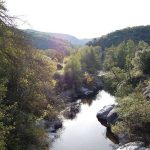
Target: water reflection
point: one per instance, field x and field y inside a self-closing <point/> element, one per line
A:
<point x="109" y="134"/>
<point x="84" y="131"/>
<point x="88" y="101"/>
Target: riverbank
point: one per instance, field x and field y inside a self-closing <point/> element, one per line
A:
<point x="108" y="117"/>
<point x="85" y="90"/>
<point x="71" y="104"/>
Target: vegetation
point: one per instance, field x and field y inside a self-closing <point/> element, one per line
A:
<point x="136" y="34"/>
<point x="128" y="64"/>
<point x="31" y="83"/>
<point x="81" y="65"/>
<point x="65" y="37"/>
<point x="40" y="40"/>
<point x="127" y="60"/>
<point x="26" y="89"/>
<point x="134" y="112"/>
<point x="54" y="55"/>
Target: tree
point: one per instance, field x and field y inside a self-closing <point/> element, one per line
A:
<point x="73" y="73"/>
<point x="26" y="89"/>
<point x="130" y="55"/>
<point x="143" y="58"/>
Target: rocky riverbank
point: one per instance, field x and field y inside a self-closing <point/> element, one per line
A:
<point x="108" y="116"/>
<point x="133" y="146"/>
<point x="71" y="105"/>
<point x="51" y="126"/>
<point x="84" y="91"/>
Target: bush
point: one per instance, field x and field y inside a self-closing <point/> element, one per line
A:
<point x="135" y="115"/>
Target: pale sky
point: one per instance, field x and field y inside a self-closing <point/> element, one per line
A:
<point x="81" y="18"/>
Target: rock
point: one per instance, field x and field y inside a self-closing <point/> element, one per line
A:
<point x="123" y="138"/>
<point x="112" y="116"/>
<point x="50" y="125"/>
<point x="103" y="113"/>
<point x="71" y="111"/>
<point x="99" y="83"/>
<point x="133" y="146"/>
<point x="57" y="124"/>
<point x="146" y="92"/>
<point x="86" y="91"/>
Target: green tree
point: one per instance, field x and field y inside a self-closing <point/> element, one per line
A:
<point x="73" y="73"/>
<point x="143" y="59"/>
<point x="26" y="89"/>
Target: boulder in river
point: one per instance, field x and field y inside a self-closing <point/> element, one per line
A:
<point x="86" y="91"/>
<point x="107" y="115"/>
<point x="112" y="116"/>
<point x="133" y="146"/>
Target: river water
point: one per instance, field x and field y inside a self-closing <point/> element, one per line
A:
<point x="85" y="132"/>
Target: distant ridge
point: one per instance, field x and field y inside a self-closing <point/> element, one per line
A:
<point x="139" y="33"/>
<point x="72" y="39"/>
<point x="41" y="40"/>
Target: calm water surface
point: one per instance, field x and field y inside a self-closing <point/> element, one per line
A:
<point x="85" y="132"/>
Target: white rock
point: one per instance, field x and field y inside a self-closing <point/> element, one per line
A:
<point x="133" y="146"/>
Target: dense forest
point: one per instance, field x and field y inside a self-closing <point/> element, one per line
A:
<point x="40" y="40"/>
<point x="128" y="79"/>
<point x="127" y="64"/>
<point x="26" y="89"/>
<point x="126" y="59"/>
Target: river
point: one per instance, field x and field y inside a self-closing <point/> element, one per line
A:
<point x="85" y="132"/>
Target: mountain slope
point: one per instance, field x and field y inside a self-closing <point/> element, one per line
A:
<point x="69" y="38"/>
<point x="41" y="40"/>
<point x="135" y="33"/>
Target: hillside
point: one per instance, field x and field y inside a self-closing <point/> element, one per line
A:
<point x="58" y="41"/>
<point x="135" y="33"/>
<point x="41" y="40"/>
<point x="72" y="39"/>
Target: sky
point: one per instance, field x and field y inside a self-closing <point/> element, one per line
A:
<point x="81" y="18"/>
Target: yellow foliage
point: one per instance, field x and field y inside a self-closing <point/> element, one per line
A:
<point x="89" y="79"/>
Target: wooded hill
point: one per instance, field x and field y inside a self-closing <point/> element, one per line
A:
<point x="135" y="33"/>
<point x="60" y="42"/>
<point x="41" y="40"/>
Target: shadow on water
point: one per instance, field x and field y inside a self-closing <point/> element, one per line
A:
<point x="109" y="134"/>
<point x="88" y="101"/>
